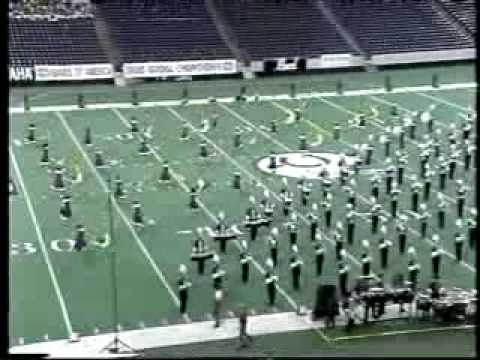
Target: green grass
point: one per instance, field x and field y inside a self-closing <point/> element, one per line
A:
<point x="84" y="278"/>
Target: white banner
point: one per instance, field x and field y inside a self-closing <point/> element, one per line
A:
<point x="73" y="72"/>
<point x="179" y="68"/>
<point x="330" y="61"/>
<point x="21" y="73"/>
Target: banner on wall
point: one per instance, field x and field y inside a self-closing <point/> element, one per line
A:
<point x="73" y="72"/>
<point x="179" y="68"/>
<point x="330" y="61"/>
<point x="21" y="73"/>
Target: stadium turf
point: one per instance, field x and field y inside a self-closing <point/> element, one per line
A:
<point x="56" y="291"/>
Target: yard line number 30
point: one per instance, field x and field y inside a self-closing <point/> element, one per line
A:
<point x="60" y="245"/>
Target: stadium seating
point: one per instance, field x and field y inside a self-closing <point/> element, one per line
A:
<point x="46" y="7"/>
<point x="58" y="42"/>
<point x="164" y="30"/>
<point x="63" y="31"/>
<point x="464" y="11"/>
<point x="383" y="27"/>
<point x="267" y="29"/>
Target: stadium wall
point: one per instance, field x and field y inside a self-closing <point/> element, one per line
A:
<point x="175" y="69"/>
<point x="423" y="57"/>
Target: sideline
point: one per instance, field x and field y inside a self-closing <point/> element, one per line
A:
<point x="181" y="334"/>
<point x="311" y="95"/>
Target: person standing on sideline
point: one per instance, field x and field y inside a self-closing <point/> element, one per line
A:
<point x="244" y="338"/>
<point x="183" y="285"/>
<point x="217" y="306"/>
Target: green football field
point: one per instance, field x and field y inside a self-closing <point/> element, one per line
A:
<point x="56" y="291"/>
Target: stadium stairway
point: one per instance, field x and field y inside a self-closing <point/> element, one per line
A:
<point x="387" y="27"/>
<point x="454" y="15"/>
<point x="105" y="38"/>
<point x="287" y="29"/>
<point x="226" y="32"/>
<point x="349" y="38"/>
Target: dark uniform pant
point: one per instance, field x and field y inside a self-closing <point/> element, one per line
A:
<point x="443" y="180"/>
<point x="274" y="256"/>
<point x="423" y="228"/>
<point x="468" y="159"/>
<point x="350" y="232"/>
<point x="201" y="266"/>
<point x="374" y="224"/>
<point x="328" y="218"/>
<point x="400" y="175"/>
<point x="402" y="240"/>
<point x="426" y="191"/>
<point x="253" y="232"/>
<point x="451" y="170"/>
<point x="296" y="279"/>
<point x="293" y="238"/>
<point x="245" y="272"/>
<point x="458" y="251"/>
<point x="415" y="202"/>
<point x="472" y="234"/>
<point x="183" y="301"/>
<point x="366" y="269"/>
<point x="383" y="258"/>
<point x="313" y="231"/>
<point x="394" y="208"/>
<point x="441" y="219"/>
<point x="319" y="260"/>
<point x="271" y="292"/>
<point x="460" y="206"/>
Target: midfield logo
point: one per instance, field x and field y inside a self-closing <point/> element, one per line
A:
<point x="305" y="165"/>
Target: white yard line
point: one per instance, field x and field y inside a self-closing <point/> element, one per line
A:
<point x="51" y="271"/>
<point x="443" y="101"/>
<point x="403" y="332"/>
<point x="289" y="111"/>
<point x="311" y="95"/>
<point x="125" y="219"/>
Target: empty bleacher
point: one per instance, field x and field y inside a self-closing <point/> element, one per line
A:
<point x="172" y="30"/>
<point x="163" y="30"/>
<point x="464" y="11"/>
<point x="382" y="26"/>
<point x="289" y="28"/>
<point x="53" y="42"/>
